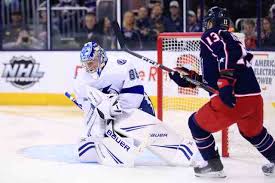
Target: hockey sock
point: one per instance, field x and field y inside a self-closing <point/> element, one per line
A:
<point x="204" y="140"/>
<point x="264" y="143"/>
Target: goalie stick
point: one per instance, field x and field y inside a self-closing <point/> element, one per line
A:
<point x="71" y="98"/>
<point x="121" y="41"/>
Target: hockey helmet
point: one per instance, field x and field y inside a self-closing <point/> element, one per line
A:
<point x="93" y="57"/>
<point x="218" y="16"/>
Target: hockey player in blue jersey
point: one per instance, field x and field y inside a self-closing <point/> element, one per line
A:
<point x="226" y="67"/>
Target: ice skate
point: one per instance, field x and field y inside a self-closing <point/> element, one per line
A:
<point x="214" y="168"/>
<point x="268" y="169"/>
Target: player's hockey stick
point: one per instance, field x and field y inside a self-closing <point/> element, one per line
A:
<point x="121" y="41"/>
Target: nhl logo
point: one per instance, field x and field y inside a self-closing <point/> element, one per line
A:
<point x="22" y="72"/>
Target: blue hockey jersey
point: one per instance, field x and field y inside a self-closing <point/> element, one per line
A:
<point x="221" y="50"/>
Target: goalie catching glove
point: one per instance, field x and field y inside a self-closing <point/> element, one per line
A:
<point x="109" y="108"/>
<point x="177" y="76"/>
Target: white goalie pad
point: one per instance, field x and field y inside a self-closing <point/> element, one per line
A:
<point x="86" y="150"/>
<point x="111" y="151"/>
<point x="158" y="138"/>
<point x="116" y="151"/>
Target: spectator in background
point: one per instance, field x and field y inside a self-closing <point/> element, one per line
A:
<point x="173" y="23"/>
<point x="142" y="21"/>
<point x="147" y="34"/>
<point x="105" y="36"/>
<point x="156" y="15"/>
<point x="267" y="36"/>
<point x="131" y="35"/>
<point x="68" y="20"/>
<point x="11" y="31"/>
<point x="250" y="34"/>
<point x="89" y="31"/>
<point x="192" y="24"/>
<point x="24" y="41"/>
<point x="200" y="24"/>
<point x="41" y="30"/>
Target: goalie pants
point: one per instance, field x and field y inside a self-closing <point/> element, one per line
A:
<point x="247" y="113"/>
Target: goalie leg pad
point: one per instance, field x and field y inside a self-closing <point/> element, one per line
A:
<point x="94" y="125"/>
<point x="155" y="135"/>
<point x="116" y="151"/>
<point x="111" y="151"/>
<point x="86" y="150"/>
<point x="171" y="147"/>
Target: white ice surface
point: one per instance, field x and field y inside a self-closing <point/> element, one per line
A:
<point x="36" y="146"/>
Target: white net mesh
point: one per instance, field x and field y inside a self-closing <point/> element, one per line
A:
<point x="178" y="103"/>
<point x="177" y="52"/>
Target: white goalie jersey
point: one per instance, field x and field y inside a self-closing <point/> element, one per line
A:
<point x="117" y="77"/>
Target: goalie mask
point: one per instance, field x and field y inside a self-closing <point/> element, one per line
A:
<point x="93" y="57"/>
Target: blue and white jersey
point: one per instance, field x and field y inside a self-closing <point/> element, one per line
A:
<point x="118" y="76"/>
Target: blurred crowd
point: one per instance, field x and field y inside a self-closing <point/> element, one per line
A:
<point x="76" y="22"/>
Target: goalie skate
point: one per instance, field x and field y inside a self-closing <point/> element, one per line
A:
<point x="268" y="169"/>
<point x="214" y="168"/>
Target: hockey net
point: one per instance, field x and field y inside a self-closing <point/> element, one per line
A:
<point x="176" y="104"/>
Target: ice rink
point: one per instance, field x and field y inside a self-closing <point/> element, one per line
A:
<point x="37" y="146"/>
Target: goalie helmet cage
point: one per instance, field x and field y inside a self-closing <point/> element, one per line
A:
<point x="181" y="49"/>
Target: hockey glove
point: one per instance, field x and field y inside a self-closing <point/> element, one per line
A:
<point x="226" y="90"/>
<point x="109" y="108"/>
<point x="177" y="77"/>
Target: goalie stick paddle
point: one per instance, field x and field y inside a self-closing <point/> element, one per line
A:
<point x="122" y="43"/>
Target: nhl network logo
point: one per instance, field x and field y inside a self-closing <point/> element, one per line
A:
<point x="22" y="72"/>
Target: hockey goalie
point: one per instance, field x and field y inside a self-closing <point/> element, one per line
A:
<point x="119" y="119"/>
<point x="115" y="137"/>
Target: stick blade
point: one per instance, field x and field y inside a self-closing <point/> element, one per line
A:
<point x="118" y="34"/>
